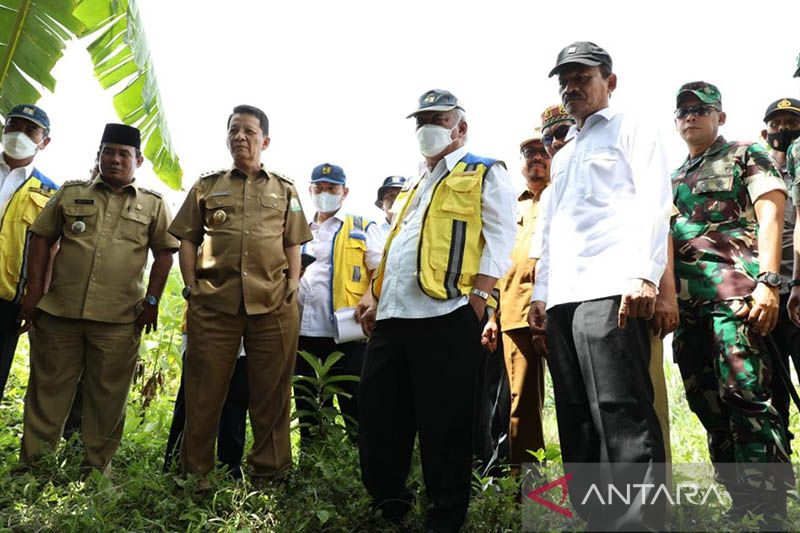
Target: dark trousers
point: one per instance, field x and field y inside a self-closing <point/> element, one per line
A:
<point x="604" y="405"/>
<point x="787" y="339"/>
<point x="232" y="423"/>
<point x="419" y="378"/>
<point x="492" y="409"/>
<point x="8" y="339"/>
<point x="350" y="365"/>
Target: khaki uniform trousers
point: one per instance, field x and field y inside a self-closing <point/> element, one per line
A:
<point x="525" y="371"/>
<point x="660" y="399"/>
<point x="213" y="339"/>
<point x="61" y="350"/>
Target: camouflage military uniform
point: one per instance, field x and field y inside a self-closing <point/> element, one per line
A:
<point x="723" y="362"/>
<point x="793" y="169"/>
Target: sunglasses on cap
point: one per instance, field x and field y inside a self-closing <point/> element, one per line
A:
<point x="700" y="110"/>
<point x="558" y="133"/>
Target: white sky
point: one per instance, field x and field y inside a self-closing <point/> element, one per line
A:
<point x="337" y="78"/>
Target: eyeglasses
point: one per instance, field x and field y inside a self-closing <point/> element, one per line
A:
<point x="558" y="133"/>
<point x="529" y="152"/>
<point x="696" y="110"/>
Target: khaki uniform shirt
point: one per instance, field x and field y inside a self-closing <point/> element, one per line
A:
<point x="242" y="226"/>
<point x="98" y="272"/>
<point x="516" y="286"/>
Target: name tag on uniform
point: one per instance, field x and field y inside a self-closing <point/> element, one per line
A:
<point x="87" y="201"/>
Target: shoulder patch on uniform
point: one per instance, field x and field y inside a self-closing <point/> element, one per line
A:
<point x="212" y="173"/>
<point x="294" y="204"/>
<point x="281" y="176"/>
<point x="151" y="191"/>
<point x="70" y="183"/>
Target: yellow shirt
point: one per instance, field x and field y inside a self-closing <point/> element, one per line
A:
<point x="242" y="225"/>
<point x="516" y="286"/>
<point x="98" y="271"/>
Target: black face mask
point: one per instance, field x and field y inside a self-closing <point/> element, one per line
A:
<point x="780" y="141"/>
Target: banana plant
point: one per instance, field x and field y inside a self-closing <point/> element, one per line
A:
<point x="33" y="36"/>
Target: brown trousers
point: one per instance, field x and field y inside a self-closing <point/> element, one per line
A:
<point x="61" y="350"/>
<point x="525" y="371"/>
<point x="270" y="341"/>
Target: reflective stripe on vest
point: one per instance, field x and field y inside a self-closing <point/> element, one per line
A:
<point x="349" y="274"/>
<point x="24" y="206"/>
<point x="451" y="243"/>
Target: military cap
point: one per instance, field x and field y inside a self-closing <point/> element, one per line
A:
<point x="392" y="182"/>
<point x="32" y="113"/>
<point x="122" y="134"/>
<point x="555" y="114"/>
<point x="706" y="92"/>
<point x="797" y="72"/>
<point x="789" y="105"/>
<point x="326" y="172"/>
<point x="437" y="100"/>
<point x="582" y="52"/>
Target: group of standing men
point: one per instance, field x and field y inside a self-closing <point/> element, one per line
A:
<point x="604" y="259"/>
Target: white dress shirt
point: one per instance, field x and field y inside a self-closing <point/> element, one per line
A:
<point x="401" y="295"/>
<point x="608" y="216"/>
<point x="10" y="181"/>
<point x="315" y="288"/>
<point x="383" y="231"/>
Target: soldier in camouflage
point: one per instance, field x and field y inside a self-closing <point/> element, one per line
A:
<point x="793" y="174"/>
<point x="729" y="198"/>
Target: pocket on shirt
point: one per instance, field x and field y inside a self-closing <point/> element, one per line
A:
<point x="219" y="211"/>
<point x="134" y="226"/>
<point x="601" y="168"/>
<point x="718" y="198"/>
<point x="79" y="220"/>
<point x="459" y="195"/>
<point x="273" y="214"/>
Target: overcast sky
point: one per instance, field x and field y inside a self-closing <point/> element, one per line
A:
<point x="337" y="78"/>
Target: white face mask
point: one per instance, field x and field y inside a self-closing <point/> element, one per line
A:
<point x="433" y="139"/>
<point x="326" y="202"/>
<point x="17" y="145"/>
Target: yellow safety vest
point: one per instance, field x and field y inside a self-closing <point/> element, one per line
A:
<point x="451" y="242"/>
<point x="24" y="206"/>
<point x="349" y="274"/>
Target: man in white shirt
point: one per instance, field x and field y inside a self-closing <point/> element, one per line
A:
<point x="604" y="251"/>
<point x="387" y="194"/>
<point x="347" y="249"/>
<point x="450" y="243"/>
<point x="24" y="191"/>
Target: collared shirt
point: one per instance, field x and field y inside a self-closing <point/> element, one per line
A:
<point x="608" y="216"/>
<point x="10" y="181"/>
<point x="383" y="231"/>
<point x="98" y="271"/>
<point x="401" y="295"/>
<point x="793" y="170"/>
<point x="242" y="226"/>
<point x="315" y="285"/>
<point x="787" y="237"/>
<point x="516" y="286"/>
<point x="716" y="230"/>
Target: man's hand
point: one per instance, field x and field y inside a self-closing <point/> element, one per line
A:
<point x="793" y="306"/>
<point x="478" y="306"/>
<point x="638" y="302"/>
<point x="28" y="309"/>
<point x="148" y="319"/>
<point x="666" y="317"/>
<point x="761" y="309"/>
<point x="537" y="320"/>
<point x="363" y="304"/>
<point x="489" y="336"/>
<point x="367" y="319"/>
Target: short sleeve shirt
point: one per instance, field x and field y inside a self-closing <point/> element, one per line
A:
<point x="98" y="271"/>
<point x="242" y="225"/>
<point x="793" y="169"/>
<point x="716" y="231"/>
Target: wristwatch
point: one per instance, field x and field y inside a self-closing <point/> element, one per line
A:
<point x="770" y="279"/>
<point x="151" y="300"/>
<point x="186" y="292"/>
<point x="481" y="294"/>
<point x="794" y="283"/>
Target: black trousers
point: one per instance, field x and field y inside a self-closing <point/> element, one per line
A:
<point x="232" y="423"/>
<point x="604" y="405"/>
<point x="8" y="340"/>
<point x="350" y="365"/>
<point x="787" y="339"/>
<point x="419" y="378"/>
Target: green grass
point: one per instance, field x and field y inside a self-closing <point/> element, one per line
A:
<point x="322" y="493"/>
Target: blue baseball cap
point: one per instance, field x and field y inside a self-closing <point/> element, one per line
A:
<point x="328" y="173"/>
<point x="31" y="112"/>
<point x="436" y="100"/>
<point x="392" y="182"/>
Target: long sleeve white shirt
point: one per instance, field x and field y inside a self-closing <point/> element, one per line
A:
<point x="10" y="181"/>
<point x="608" y="216"/>
<point x="401" y="295"/>
<point x="315" y="291"/>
